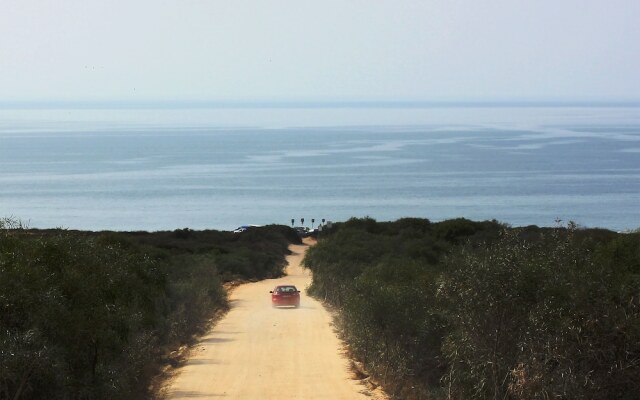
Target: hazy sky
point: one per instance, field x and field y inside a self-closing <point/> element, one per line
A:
<point x="330" y="49"/>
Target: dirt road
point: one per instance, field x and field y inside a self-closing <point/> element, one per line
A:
<point x="257" y="352"/>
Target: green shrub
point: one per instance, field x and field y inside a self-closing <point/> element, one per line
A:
<point x="390" y="328"/>
<point x="540" y="320"/>
<point x="461" y="309"/>
<point x="87" y="315"/>
<point x="69" y="305"/>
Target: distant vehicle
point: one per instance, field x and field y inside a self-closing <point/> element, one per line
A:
<point x="244" y="228"/>
<point x="302" y="231"/>
<point x="285" y="295"/>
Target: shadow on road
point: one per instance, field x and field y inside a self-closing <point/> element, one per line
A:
<point x="187" y="394"/>
<point x="215" y="340"/>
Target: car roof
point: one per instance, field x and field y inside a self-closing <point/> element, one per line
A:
<point x="285" y="286"/>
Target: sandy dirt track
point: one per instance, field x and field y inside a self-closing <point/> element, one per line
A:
<point x="258" y="352"/>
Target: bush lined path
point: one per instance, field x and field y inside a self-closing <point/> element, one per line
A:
<point x="257" y="352"/>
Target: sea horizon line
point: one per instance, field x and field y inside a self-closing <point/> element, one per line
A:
<point x="310" y="104"/>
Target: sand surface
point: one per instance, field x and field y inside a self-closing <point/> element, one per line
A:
<point x="258" y="352"/>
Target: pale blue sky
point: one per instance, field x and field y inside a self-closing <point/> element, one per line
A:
<point x="140" y="50"/>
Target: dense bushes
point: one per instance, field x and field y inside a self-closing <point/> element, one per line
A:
<point x="542" y="319"/>
<point x="87" y="316"/>
<point x="461" y="310"/>
<point x="69" y="308"/>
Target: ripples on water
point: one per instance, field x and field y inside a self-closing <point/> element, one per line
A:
<point x="167" y="169"/>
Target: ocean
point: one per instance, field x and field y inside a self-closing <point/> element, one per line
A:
<point x="218" y="168"/>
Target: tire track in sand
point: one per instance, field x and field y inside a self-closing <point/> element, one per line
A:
<point x="258" y="352"/>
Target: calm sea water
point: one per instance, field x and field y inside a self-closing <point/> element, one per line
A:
<point x="221" y="168"/>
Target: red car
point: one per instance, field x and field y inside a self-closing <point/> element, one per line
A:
<point x="285" y="295"/>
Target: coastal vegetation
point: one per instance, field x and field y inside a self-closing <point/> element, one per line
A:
<point x="462" y="310"/>
<point x="94" y="315"/>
